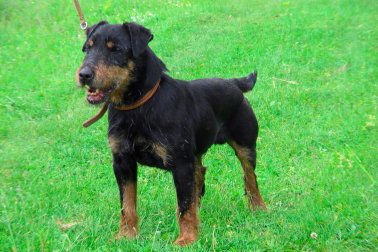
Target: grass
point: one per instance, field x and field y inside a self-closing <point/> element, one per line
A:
<point x="316" y="100"/>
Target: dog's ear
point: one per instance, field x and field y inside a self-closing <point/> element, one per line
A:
<point x="139" y="38"/>
<point x="90" y="30"/>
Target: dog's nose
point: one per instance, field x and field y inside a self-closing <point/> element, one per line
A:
<point x="85" y="74"/>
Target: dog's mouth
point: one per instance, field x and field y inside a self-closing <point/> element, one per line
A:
<point x="97" y="96"/>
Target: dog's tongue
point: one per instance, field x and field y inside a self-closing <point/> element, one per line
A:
<point x="95" y="95"/>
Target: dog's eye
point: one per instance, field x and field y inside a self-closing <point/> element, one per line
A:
<point x="112" y="46"/>
<point x="88" y="44"/>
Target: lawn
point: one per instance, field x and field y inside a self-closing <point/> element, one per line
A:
<point x="316" y="101"/>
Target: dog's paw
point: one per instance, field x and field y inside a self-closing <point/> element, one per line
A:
<point x="128" y="234"/>
<point x="185" y="241"/>
<point x="258" y="206"/>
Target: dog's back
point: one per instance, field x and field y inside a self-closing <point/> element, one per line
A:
<point x="162" y="122"/>
<point x="209" y="106"/>
<point x="223" y="95"/>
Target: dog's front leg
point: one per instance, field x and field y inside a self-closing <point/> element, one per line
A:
<point x="125" y="170"/>
<point x="187" y="199"/>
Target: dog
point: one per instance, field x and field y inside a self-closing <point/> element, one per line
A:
<point x="159" y="121"/>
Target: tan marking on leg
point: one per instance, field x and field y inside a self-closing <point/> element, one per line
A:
<point x="129" y="217"/>
<point x="189" y="221"/>
<point x="200" y="178"/>
<point x="114" y="143"/>
<point x="252" y="190"/>
<point x="189" y="225"/>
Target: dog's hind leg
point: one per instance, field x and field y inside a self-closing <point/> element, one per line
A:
<point x="247" y="158"/>
<point x="187" y="198"/>
<point x="243" y="129"/>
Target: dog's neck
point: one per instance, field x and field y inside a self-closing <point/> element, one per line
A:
<point x="147" y="72"/>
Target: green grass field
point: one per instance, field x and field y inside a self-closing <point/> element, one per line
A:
<point x="316" y="101"/>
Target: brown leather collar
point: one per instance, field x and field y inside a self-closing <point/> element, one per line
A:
<point x="135" y="105"/>
<point x="142" y="100"/>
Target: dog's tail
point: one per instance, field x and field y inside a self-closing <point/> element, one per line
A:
<point x="247" y="83"/>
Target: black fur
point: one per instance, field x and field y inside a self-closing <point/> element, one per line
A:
<point x="185" y="117"/>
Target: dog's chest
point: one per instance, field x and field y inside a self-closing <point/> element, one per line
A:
<point x="151" y="153"/>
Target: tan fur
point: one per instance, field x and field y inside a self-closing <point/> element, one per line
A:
<point x="199" y="176"/>
<point x="189" y="221"/>
<point x="106" y="76"/>
<point x="250" y="182"/>
<point x="189" y="225"/>
<point x="161" y="151"/>
<point x="114" y="143"/>
<point x="129" y="218"/>
<point x="90" y="43"/>
<point x="77" y="77"/>
<point x="158" y="149"/>
<point x="110" y="44"/>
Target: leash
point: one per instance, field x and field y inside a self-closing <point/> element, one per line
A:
<point x="101" y="113"/>
<point x="84" y="26"/>
<point x="83" y="23"/>
<point x="97" y="117"/>
<point x="135" y="105"/>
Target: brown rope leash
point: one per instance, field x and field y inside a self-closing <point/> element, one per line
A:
<point x="135" y="105"/>
<point x="101" y="113"/>
<point x="83" y="23"/>
<point x="97" y="117"/>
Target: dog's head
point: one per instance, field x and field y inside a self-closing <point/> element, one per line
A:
<point x="110" y="55"/>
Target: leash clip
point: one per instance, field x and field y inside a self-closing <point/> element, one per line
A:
<point x="84" y="25"/>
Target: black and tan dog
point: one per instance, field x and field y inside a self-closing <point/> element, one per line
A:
<point x="159" y="121"/>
